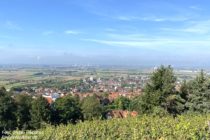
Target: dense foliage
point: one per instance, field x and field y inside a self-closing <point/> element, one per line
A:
<point x="7" y="112"/>
<point x="23" y="116"/>
<point x="161" y="92"/>
<point x="144" y="127"/>
<point x="40" y="112"/>
<point x="67" y="110"/>
<point x="122" y="103"/>
<point x="199" y="94"/>
<point x="92" y="109"/>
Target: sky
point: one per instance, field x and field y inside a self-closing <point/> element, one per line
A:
<point x="105" y="32"/>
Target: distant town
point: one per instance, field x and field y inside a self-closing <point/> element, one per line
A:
<point x="82" y="81"/>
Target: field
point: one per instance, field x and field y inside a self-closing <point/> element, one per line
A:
<point x="20" y="76"/>
<point x="183" y="127"/>
<point x="23" y="76"/>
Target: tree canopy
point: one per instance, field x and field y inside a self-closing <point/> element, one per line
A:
<point x="199" y="94"/>
<point x="160" y="92"/>
<point x="68" y="109"/>
<point x="40" y="112"/>
<point x="91" y="107"/>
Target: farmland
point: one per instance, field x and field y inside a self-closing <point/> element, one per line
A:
<point x="21" y="76"/>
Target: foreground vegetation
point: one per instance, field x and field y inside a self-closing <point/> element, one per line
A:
<point x="144" y="127"/>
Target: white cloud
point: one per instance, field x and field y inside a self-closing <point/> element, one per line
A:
<point x="196" y="27"/>
<point x="152" y="18"/>
<point x="127" y="36"/>
<point x="126" y="18"/>
<point x="155" y="43"/>
<point x="200" y="27"/>
<point x="72" y="32"/>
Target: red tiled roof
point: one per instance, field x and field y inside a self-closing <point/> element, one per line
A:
<point x="49" y="100"/>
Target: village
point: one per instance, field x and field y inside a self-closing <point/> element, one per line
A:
<point x="108" y="86"/>
<point x="128" y="87"/>
<point x="107" y="90"/>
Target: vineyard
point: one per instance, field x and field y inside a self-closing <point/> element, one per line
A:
<point x="144" y="127"/>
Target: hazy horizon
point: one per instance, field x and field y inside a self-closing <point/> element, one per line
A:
<point x="105" y="32"/>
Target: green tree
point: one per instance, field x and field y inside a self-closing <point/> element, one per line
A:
<point x="40" y="112"/>
<point x="160" y="92"/>
<point x="91" y="108"/>
<point x="162" y="83"/>
<point x="122" y="103"/>
<point x="23" y="102"/>
<point x="145" y="103"/>
<point x="175" y="104"/>
<point x="2" y="91"/>
<point x="7" y="113"/>
<point x="68" y="109"/>
<point x="199" y="94"/>
<point x="184" y="90"/>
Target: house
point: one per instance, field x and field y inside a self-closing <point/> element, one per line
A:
<point x="113" y="95"/>
<point x="48" y="98"/>
<point x="51" y="97"/>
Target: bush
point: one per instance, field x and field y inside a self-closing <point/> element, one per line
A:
<point x="158" y="111"/>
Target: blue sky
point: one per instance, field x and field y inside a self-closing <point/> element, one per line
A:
<point x="134" y="32"/>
